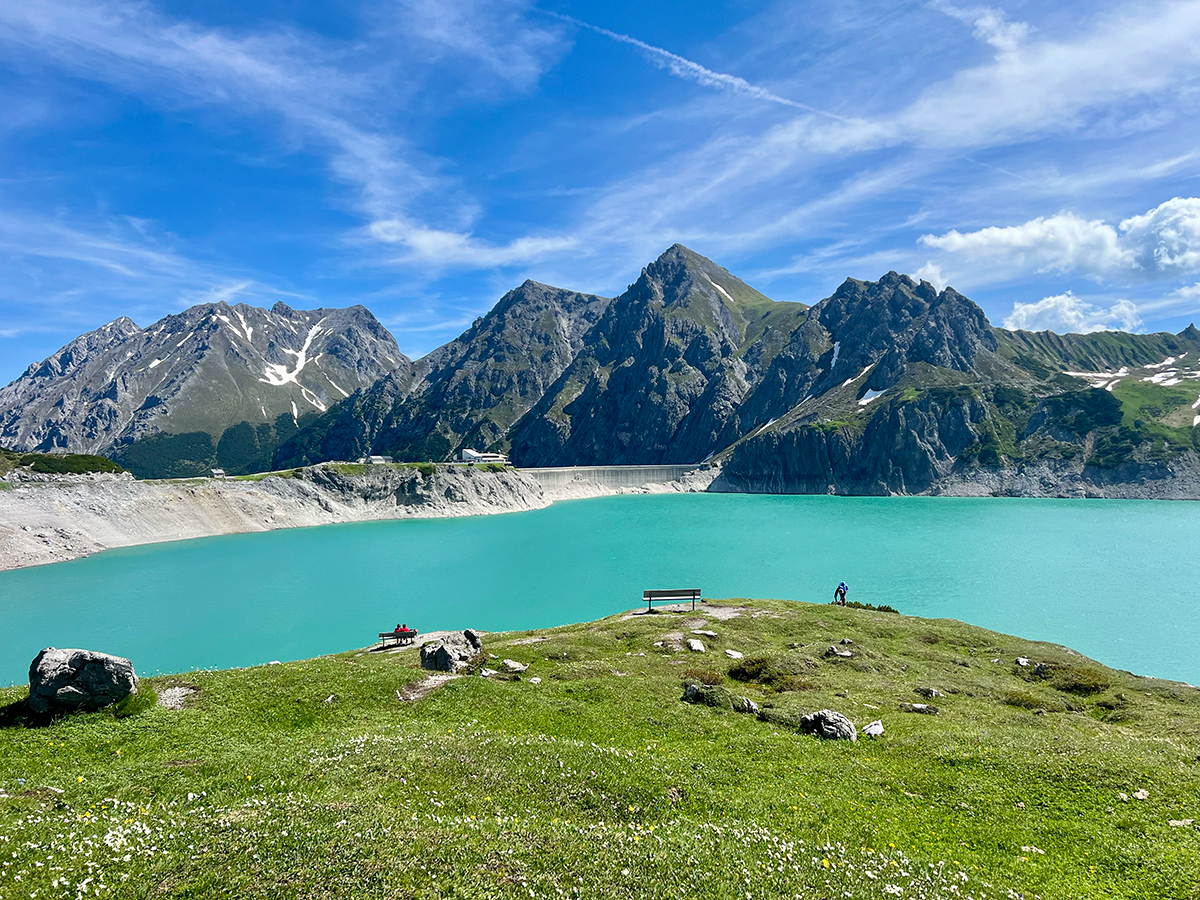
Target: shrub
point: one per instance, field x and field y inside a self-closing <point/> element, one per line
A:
<point x="135" y="704"/>
<point x="775" y="674"/>
<point x="427" y="470"/>
<point x="704" y="676"/>
<point x="1079" y="680"/>
<point x="854" y="604"/>
<point x="69" y="464"/>
<point x="752" y="668"/>
<point x="1023" y="699"/>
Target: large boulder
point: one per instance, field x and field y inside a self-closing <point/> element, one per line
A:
<point x="452" y="653"/>
<point x="78" y="680"/>
<point x="830" y="725"/>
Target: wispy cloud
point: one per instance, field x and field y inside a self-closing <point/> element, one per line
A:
<point x="991" y="26"/>
<point x="693" y="71"/>
<point x="320" y="101"/>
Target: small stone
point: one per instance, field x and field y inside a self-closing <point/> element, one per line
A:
<point x="1141" y="795"/>
<point x="834" y="650"/>
<point x="1041" y="670"/>
<point x="535" y="680"/>
<point x="1020" y="804"/>
<point x="1023" y="661"/>
<point x="875" y="729"/>
<point x="745" y="705"/>
<point x="707" y="634"/>
<point x="929" y="692"/>
<point x="1181" y="823"/>
<point x="274" y="662"/>
<point x="488" y="673"/>
<point x="1122" y="796"/>
<point x="695" y="645"/>
<point x="513" y="666"/>
<point x="845" y="642"/>
<point x="659" y="643"/>
<point x="330" y="699"/>
<point x="733" y="654"/>
<point x="924" y="709"/>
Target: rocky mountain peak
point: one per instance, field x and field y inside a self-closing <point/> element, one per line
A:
<point x="895" y="321"/>
<point x="201" y="370"/>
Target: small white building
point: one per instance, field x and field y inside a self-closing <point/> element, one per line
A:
<point x="218" y="473"/>
<point x="475" y="456"/>
<point x="375" y="460"/>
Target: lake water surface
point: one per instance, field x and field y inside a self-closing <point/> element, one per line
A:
<point x="1113" y="579"/>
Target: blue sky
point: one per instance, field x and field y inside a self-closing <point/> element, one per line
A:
<point x="422" y="157"/>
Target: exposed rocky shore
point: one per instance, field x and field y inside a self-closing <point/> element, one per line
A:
<point x="45" y="519"/>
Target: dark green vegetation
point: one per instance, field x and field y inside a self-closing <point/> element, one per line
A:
<point x="312" y="779"/>
<point x="56" y="463"/>
<point x="241" y="449"/>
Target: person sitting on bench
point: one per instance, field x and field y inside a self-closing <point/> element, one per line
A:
<point x="402" y="629"/>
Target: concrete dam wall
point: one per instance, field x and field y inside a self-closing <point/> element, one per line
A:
<point x="556" y="478"/>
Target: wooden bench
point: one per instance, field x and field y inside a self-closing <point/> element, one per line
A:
<point x="677" y="596"/>
<point x="398" y="638"/>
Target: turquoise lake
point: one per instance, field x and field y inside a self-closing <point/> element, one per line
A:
<point x="1115" y="580"/>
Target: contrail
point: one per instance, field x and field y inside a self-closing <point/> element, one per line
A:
<point x="693" y="71"/>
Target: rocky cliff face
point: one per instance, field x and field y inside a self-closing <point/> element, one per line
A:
<point x="201" y="371"/>
<point x="70" y="516"/>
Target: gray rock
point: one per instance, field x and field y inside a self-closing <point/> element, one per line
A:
<point x="745" y="705"/>
<point x="1041" y="670"/>
<point x="846" y="642"/>
<point x="707" y="695"/>
<point x="488" y="673"/>
<point x="535" y="680"/>
<point x="452" y="654"/>
<point x="71" y="680"/>
<point x="835" y="650"/>
<point x="733" y="654"/>
<point x="929" y="692"/>
<point x="829" y="725"/>
<point x="1023" y="661"/>
<point x="513" y="666"/>
<point x="702" y="632"/>
<point x="875" y="729"/>
<point x="922" y="708"/>
<point x="696" y="645"/>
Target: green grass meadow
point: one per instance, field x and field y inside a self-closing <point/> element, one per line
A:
<point x="314" y="780"/>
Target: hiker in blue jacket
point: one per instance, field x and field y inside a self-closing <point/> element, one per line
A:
<point x="839" y="595"/>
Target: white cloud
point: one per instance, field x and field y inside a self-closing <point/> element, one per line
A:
<point x="1162" y="243"/>
<point x="1066" y="313"/>
<point x="451" y="248"/>
<point x="991" y="26"/>
<point x="1167" y="238"/>
<point x="494" y="33"/>
<point x="932" y="273"/>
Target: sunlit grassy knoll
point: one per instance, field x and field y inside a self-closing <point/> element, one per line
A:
<point x="311" y="779"/>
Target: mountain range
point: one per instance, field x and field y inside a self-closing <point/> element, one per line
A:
<point x="213" y="383"/>
<point x="891" y="386"/>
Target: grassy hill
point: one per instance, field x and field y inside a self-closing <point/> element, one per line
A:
<point x="314" y="779"/>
